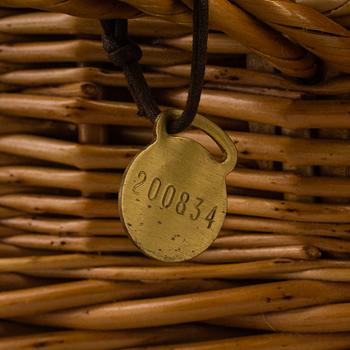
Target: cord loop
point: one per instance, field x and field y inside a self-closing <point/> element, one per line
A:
<point x="126" y="54"/>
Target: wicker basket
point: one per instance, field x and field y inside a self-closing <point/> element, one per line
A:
<point x="278" y="276"/>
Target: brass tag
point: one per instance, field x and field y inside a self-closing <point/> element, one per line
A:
<point x="173" y="198"/>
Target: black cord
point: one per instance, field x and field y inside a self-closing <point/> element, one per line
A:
<point x="126" y="54"/>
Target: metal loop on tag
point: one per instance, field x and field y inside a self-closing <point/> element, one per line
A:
<point x="211" y="129"/>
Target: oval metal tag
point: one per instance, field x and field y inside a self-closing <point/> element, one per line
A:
<point x="173" y="198"/>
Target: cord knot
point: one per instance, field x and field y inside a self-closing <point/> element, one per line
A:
<point x="123" y="55"/>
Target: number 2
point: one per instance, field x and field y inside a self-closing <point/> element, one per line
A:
<point x="142" y="176"/>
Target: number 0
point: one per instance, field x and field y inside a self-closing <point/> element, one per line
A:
<point x="154" y="189"/>
<point x="168" y="196"/>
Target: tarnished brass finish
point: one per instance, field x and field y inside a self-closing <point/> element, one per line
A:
<point x="173" y="198"/>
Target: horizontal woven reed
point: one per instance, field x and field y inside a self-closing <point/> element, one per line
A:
<point x="277" y="276"/>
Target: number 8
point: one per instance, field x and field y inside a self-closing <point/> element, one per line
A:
<point x="181" y="205"/>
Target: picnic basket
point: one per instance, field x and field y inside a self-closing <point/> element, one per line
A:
<point x="277" y="80"/>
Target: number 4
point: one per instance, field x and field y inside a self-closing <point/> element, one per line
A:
<point x="211" y="216"/>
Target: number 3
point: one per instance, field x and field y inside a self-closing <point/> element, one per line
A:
<point x="198" y="213"/>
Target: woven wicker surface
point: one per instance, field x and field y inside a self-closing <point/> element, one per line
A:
<point x="278" y="276"/>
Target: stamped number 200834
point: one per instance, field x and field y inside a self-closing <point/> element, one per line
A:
<point x="169" y="197"/>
